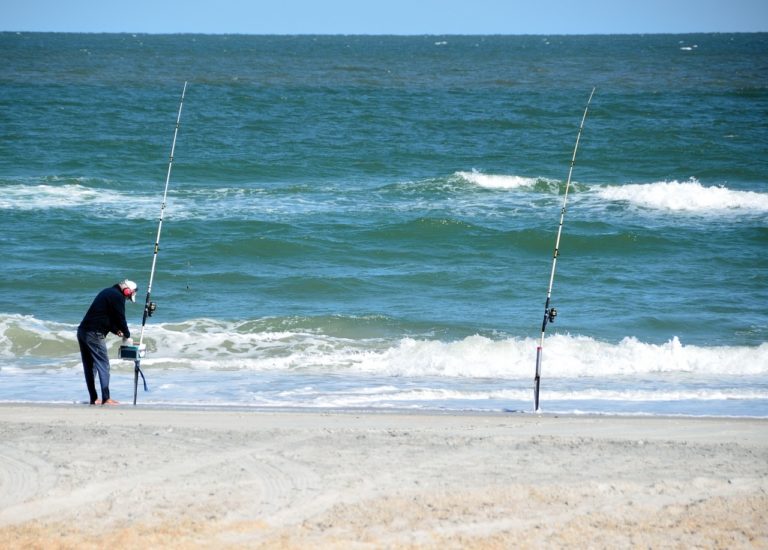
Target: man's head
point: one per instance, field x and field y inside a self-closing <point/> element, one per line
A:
<point x="128" y="289"/>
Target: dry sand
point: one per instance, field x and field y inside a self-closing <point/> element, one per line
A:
<point x="88" y="477"/>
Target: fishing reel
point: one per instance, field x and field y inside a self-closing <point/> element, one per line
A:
<point x="551" y="314"/>
<point x="151" y="307"/>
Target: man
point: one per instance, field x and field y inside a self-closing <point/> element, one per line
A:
<point x="106" y="314"/>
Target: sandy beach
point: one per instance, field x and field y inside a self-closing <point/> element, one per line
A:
<point x="85" y="477"/>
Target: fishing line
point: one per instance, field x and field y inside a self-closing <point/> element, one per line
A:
<point x="136" y="352"/>
<point x="550" y="312"/>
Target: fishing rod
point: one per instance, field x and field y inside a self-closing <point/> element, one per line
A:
<point x="550" y="312"/>
<point x="136" y="352"/>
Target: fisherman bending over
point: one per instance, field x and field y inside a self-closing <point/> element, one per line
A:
<point x="106" y="314"/>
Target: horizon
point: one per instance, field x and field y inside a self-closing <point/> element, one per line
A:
<point x="425" y="34"/>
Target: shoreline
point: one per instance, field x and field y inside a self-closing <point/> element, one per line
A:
<point x="384" y="410"/>
<point x="74" y="476"/>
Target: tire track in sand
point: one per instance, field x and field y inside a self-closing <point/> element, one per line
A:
<point x="22" y="477"/>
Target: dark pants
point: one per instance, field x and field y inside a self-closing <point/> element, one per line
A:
<point x="93" y="350"/>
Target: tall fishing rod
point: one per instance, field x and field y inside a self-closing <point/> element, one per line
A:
<point x="550" y="312"/>
<point x="149" y="305"/>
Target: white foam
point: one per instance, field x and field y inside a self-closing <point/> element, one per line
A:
<point x="96" y="201"/>
<point x="181" y="204"/>
<point x="563" y="356"/>
<point x="421" y="397"/>
<point x="221" y="346"/>
<point x="41" y="197"/>
<point x="688" y="196"/>
<point x="493" y="181"/>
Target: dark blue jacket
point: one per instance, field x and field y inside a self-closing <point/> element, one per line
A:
<point x="107" y="313"/>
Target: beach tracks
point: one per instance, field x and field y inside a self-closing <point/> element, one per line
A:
<point x="74" y="477"/>
<point x="123" y="475"/>
<point x="23" y="476"/>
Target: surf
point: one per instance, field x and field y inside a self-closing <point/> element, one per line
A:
<point x="375" y="346"/>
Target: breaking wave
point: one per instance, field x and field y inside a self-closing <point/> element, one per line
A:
<point x="687" y="196"/>
<point x="333" y="346"/>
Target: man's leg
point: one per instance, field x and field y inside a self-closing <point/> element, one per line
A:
<point x="97" y="344"/>
<point x="85" y="354"/>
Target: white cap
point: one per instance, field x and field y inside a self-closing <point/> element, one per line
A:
<point x="127" y="283"/>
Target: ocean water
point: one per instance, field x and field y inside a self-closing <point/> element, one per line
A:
<point x="369" y="221"/>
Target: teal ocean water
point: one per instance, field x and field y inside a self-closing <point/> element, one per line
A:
<point x="365" y="221"/>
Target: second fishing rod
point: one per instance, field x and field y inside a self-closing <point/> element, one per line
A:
<point x="550" y="312"/>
